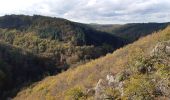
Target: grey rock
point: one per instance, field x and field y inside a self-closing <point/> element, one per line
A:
<point x="121" y="88"/>
<point x="167" y="50"/>
<point x="99" y="90"/>
<point x="110" y="79"/>
<point x="162" y="48"/>
<point x="163" y="87"/>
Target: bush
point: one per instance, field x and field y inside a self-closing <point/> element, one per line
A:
<point x="112" y="94"/>
<point x="75" y="94"/>
<point x="139" y="87"/>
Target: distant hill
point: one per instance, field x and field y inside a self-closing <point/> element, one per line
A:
<point x="55" y="36"/>
<point x="58" y="29"/>
<point x="132" y="31"/>
<point x="136" y="73"/>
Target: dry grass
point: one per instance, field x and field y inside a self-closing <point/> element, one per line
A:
<point x="86" y="76"/>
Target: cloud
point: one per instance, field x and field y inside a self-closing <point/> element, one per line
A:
<point x="92" y="11"/>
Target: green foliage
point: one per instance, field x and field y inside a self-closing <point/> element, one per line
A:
<point x="49" y="33"/>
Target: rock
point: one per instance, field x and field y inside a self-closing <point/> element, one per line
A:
<point x="162" y="48"/>
<point x="99" y="90"/>
<point x="162" y="52"/>
<point x="107" y="97"/>
<point x="115" y="82"/>
<point x="163" y="87"/>
<point x="158" y="48"/>
<point x="149" y="69"/>
<point x="167" y="50"/>
<point x="111" y="79"/>
<point x="121" y="88"/>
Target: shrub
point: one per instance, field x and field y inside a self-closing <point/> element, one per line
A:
<point x="112" y="94"/>
<point x="139" y="87"/>
<point x="163" y="70"/>
<point x="75" y="93"/>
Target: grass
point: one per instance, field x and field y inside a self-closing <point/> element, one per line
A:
<point x="87" y="75"/>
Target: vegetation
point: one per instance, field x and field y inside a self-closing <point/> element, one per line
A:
<point x="131" y="32"/>
<point x="57" y="39"/>
<point x="75" y="94"/>
<point x="33" y="47"/>
<point x="138" y="85"/>
<point x="20" y="68"/>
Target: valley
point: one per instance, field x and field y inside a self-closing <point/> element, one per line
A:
<point x="54" y="58"/>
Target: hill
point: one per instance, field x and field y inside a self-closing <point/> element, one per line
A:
<point x="57" y="38"/>
<point x="33" y="47"/>
<point x="57" y="29"/>
<point x="19" y="68"/>
<point x="132" y="31"/>
<point x="145" y="76"/>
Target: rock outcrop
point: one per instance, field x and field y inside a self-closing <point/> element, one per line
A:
<point x="99" y="90"/>
<point x="161" y="53"/>
<point x="110" y="82"/>
<point x="161" y="49"/>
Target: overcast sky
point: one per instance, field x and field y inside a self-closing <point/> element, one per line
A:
<point x="92" y="11"/>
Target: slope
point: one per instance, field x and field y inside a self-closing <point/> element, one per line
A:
<point x="131" y="31"/>
<point x="32" y="47"/>
<point x="57" y="29"/>
<point x="66" y="42"/>
<point x="73" y="83"/>
<point x="20" y="68"/>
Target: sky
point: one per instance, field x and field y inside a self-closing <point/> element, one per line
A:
<point x="92" y="11"/>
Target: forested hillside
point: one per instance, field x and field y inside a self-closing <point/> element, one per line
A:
<point x="56" y="37"/>
<point x="133" y="31"/>
<point x="139" y="71"/>
<point x="58" y="29"/>
<point x="19" y="68"/>
<point x="33" y="47"/>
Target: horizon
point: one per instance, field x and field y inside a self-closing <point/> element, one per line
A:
<point x="84" y="22"/>
<point x="92" y="11"/>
